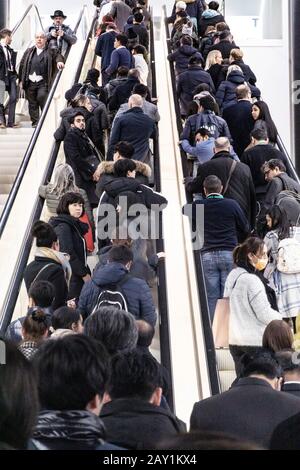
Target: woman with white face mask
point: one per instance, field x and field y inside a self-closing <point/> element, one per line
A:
<point x="252" y="301"/>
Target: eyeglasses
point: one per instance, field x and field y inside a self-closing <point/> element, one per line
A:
<point x="267" y="172"/>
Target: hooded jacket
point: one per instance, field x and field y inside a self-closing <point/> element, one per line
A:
<point x="106" y="173"/>
<point x="182" y="56"/>
<point x="136" y="291"/>
<point x="226" y="94"/>
<point x="188" y="82"/>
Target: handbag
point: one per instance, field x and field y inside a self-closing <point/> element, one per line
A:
<point x="22" y="104"/>
<point x="89" y="235"/>
<point x="220" y="326"/>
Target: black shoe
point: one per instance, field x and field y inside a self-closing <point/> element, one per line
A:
<point x="34" y="125"/>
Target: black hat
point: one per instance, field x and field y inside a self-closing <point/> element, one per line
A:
<point x="58" y="13"/>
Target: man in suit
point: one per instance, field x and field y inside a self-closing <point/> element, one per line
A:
<point x="253" y="407"/>
<point x="38" y="68"/>
<point x="8" y="77"/>
<point x="239" y="119"/>
<point x="290" y="363"/>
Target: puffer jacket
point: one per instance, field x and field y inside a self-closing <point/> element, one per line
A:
<point x="136" y="291"/>
<point x="106" y="173"/>
<point x="226" y="94"/>
<point x="182" y="56"/>
<point x="69" y="430"/>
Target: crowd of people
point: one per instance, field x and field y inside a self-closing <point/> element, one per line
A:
<point x="78" y="364"/>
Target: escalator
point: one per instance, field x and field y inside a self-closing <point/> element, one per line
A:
<point x="221" y="365"/>
<point x="23" y="206"/>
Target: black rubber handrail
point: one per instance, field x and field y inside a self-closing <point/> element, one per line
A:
<point x="206" y="323"/>
<point x="15" y="285"/>
<point x="160" y="247"/>
<point x="23" y="167"/>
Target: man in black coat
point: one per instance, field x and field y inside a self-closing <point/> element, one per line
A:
<point x="252" y="408"/>
<point x="122" y="92"/>
<point x="37" y="70"/>
<point x="188" y="82"/>
<point x="8" y="77"/>
<point x="290" y="363"/>
<point x="135" y="391"/>
<point x="82" y="156"/>
<point x="261" y="152"/>
<point x="239" y="183"/>
<point x="239" y="119"/>
<point x="135" y="127"/>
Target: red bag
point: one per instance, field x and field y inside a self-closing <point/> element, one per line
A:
<point x="89" y="235"/>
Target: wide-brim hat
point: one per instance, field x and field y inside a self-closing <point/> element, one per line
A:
<point x="58" y="13"/>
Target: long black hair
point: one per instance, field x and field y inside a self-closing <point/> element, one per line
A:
<point x="280" y="222"/>
<point x="265" y="116"/>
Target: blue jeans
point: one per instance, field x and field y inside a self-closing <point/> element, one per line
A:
<point x="217" y="265"/>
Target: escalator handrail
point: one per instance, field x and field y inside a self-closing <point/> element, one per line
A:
<point x="15" y="285"/>
<point x="22" y="170"/>
<point x="206" y="323"/>
<point x="160" y="247"/>
<point x="16" y="27"/>
<point x="290" y="167"/>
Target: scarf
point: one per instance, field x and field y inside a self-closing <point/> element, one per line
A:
<point x="61" y="258"/>
<point x="73" y="425"/>
<point x="269" y="291"/>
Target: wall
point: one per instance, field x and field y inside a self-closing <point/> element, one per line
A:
<point x="269" y="58"/>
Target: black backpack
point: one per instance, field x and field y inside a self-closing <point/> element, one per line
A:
<point x="112" y="296"/>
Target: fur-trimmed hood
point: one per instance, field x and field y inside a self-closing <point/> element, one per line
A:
<point x="108" y="168"/>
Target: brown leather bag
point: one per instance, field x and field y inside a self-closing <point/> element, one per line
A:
<point x="220" y="326"/>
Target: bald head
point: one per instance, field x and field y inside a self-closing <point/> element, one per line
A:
<point x="222" y="144"/>
<point x="135" y="101"/>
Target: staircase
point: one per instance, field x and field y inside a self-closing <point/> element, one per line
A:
<point x="13" y="145"/>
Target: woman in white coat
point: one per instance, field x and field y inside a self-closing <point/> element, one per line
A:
<point x="140" y="62"/>
<point x="252" y="301"/>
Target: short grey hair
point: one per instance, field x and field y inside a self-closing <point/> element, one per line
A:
<point x="222" y="143"/>
<point x="115" y="328"/>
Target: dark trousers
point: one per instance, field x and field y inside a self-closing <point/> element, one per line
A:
<point x="36" y="95"/>
<point x="105" y="78"/>
<point x="12" y="91"/>
<point x="238" y="351"/>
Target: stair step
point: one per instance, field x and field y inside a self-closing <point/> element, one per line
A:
<point x="5" y="188"/>
<point x="14" y="153"/>
<point x="10" y="161"/>
<point x="8" y="171"/>
<point x="7" y="179"/>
